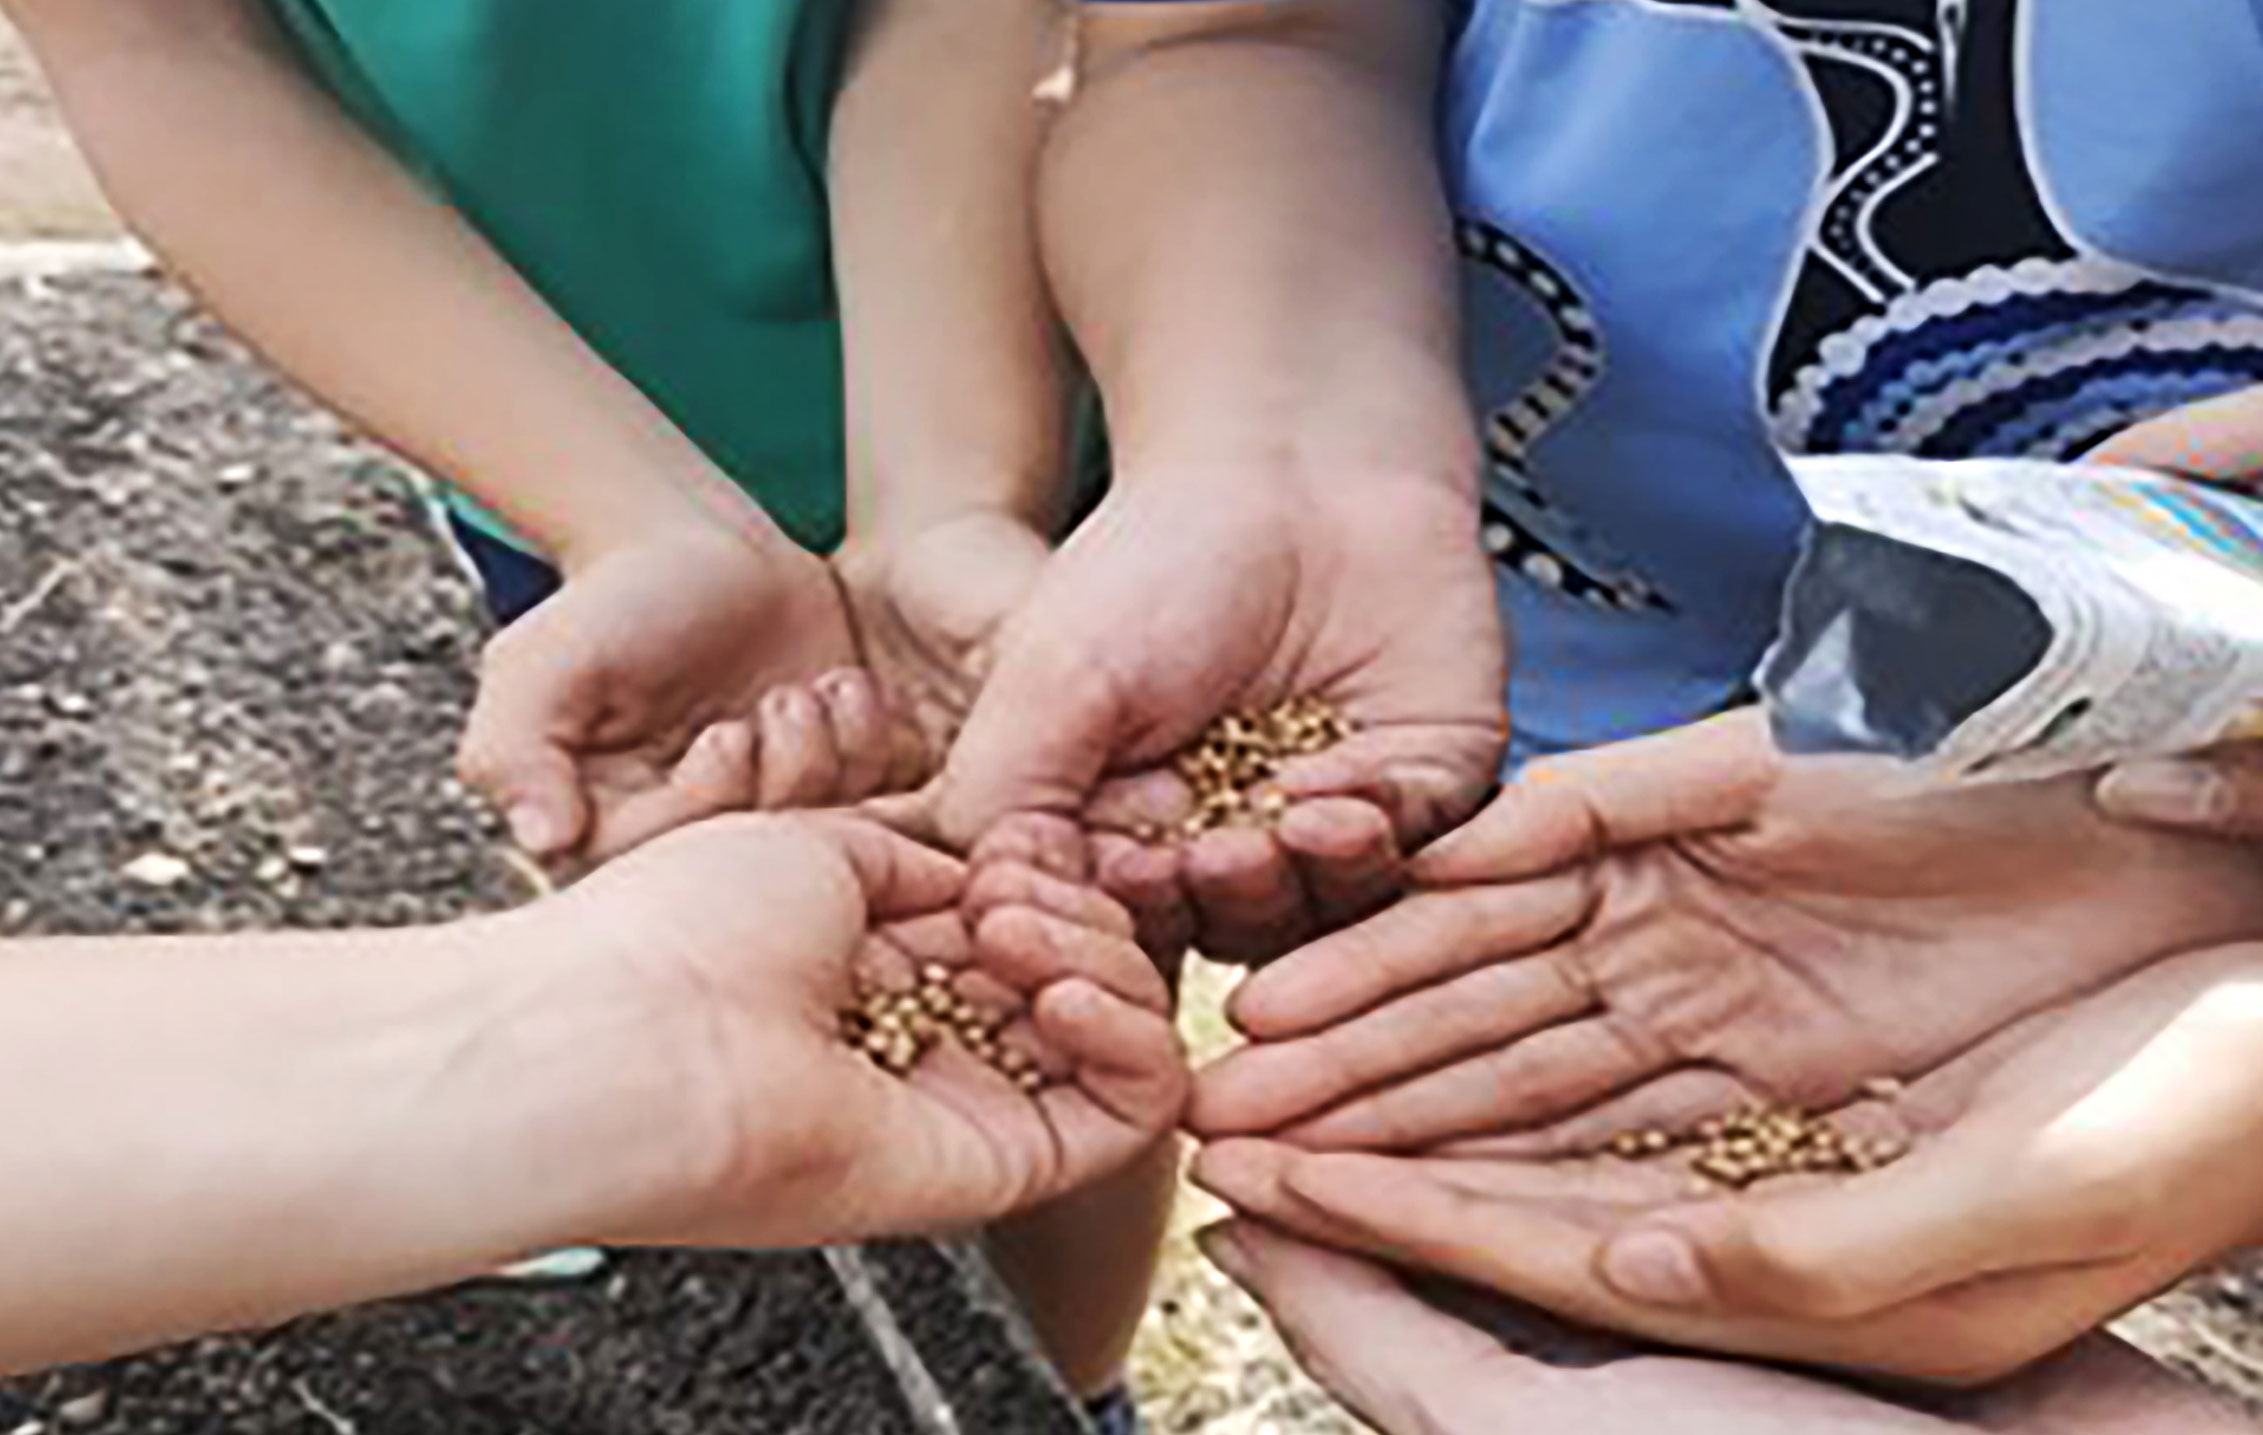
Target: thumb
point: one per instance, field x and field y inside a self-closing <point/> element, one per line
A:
<point x="2220" y="792"/>
<point x="508" y="756"/>
<point x="2219" y="439"/>
<point x="1845" y="1251"/>
<point x="1709" y="775"/>
<point x="1038" y="739"/>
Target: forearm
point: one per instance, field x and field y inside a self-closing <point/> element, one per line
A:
<point x="954" y="357"/>
<point x="1244" y="224"/>
<point x="211" y="1132"/>
<point x="322" y="251"/>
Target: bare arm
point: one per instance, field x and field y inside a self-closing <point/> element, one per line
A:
<point x="1246" y="231"/>
<point x="222" y="1131"/>
<point x="954" y="352"/>
<point x="308" y="238"/>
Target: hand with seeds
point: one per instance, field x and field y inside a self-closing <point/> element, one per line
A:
<point x="635" y="701"/>
<point x="1191" y="595"/>
<point x="2058" y="1174"/>
<point x="1408" y="1367"/>
<point x="1657" y="932"/>
<point x="1018" y="1057"/>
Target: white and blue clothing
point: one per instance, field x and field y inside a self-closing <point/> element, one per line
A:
<point x="1700" y="234"/>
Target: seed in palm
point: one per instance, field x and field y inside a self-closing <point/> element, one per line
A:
<point x="1232" y="766"/>
<point x="1755" y="1143"/>
<point x="898" y="1029"/>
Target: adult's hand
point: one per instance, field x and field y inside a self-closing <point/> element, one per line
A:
<point x="1191" y="594"/>
<point x="2057" y="1175"/>
<point x="2216" y="441"/>
<point x="1751" y="932"/>
<point x="1408" y="1368"/>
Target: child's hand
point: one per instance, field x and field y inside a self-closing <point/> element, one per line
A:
<point x="1744" y="933"/>
<point x="2058" y="1175"/>
<point x="634" y="701"/>
<point x="743" y="940"/>
<point x="927" y="606"/>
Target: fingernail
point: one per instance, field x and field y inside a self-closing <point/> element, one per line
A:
<point x="2185" y="793"/>
<point x="534" y="828"/>
<point x="1656" y="1268"/>
<point x="1224" y="1250"/>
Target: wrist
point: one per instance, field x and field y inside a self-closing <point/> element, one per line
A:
<point x="700" y="511"/>
<point x="612" y="1128"/>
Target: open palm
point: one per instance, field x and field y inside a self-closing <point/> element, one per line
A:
<point x="1807" y="936"/>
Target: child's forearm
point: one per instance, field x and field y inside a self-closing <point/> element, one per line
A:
<point x="211" y="1132"/>
<point x="1244" y="223"/>
<point x="312" y="242"/>
<point x="954" y="364"/>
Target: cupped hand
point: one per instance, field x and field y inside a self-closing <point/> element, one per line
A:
<point x="1188" y="595"/>
<point x="743" y="939"/>
<point x="1748" y="931"/>
<point x="1408" y="1368"/>
<point x="666" y="681"/>
<point x="2060" y="1173"/>
<point x="928" y="606"/>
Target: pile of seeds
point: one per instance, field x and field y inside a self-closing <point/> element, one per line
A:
<point x="1754" y="1143"/>
<point x="897" y="1029"/>
<point x="1232" y="766"/>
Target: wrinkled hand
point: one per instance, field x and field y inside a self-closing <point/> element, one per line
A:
<point x="1186" y="596"/>
<point x="2059" y="1174"/>
<point x="662" y="684"/>
<point x="1749" y="932"/>
<point x="1408" y="1368"/>
<point x="748" y="936"/>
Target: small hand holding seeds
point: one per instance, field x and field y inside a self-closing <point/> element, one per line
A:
<point x="2058" y="1174"/>
<point x="633" y="701"/>
<point x="1025" y="1054"/>
<point x="1662" y="931"/>
<point x="1188" y="596"/>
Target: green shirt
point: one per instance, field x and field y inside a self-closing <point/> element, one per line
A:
<point x="656" y="169"/>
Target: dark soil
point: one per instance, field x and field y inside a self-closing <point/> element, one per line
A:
<point x="230" y="642"/>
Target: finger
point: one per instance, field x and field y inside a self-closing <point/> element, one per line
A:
<point x="901" y="878"/>
<point x="1147" y="881"/>
<point x="1358" y="1331"/>
<point x="1128" y="1062"/>
<point x="1540" y="1078"/>
<point x="1150" y="804"/>
<point x="996" y="885"/>
<point x="1674" y="1103"/>
<point x="1559" y="811"/>
<point x="1426" y="777"/>
<point x="1428" y="938"/>
<point x="2213" y="439"/>
<point x="1933" y="1221"/>
<point x="799" y="766"/>
<point x="507" y="756"/>
<point x="1030" y="950"/>
<point x="2218" y="792"/>
<point x="1250" y="902"/>
<point x="1045" y="841"/>
<point x="1273" y="1084"/>
<point x="1347" y="856"/>
<point x="862" y="737"/>
<point x="1003" y="762"/>
<point x="911" y="814"/>
<point x="716" y="774"/>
